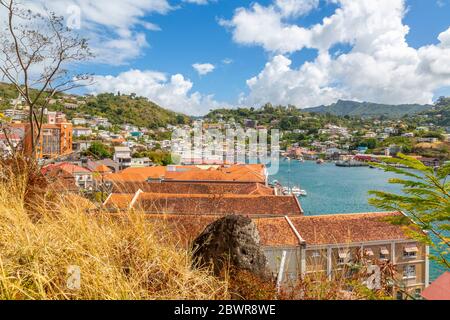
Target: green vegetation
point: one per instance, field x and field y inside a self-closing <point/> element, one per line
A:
<point x="368" y="109"/>
<point x="118" y="109"/>
<point x="425" y="199"/>
<point x="278" y="117"/>
<point x="99" y="151"/>
<point x="157" y="157"/>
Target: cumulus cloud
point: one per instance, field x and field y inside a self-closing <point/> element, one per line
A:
<point x="173" y="92"/>
<point x="203" y="68"/>
<point x="380" y="65"/>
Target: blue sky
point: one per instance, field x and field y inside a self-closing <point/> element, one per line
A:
<point x="251" y="63"/>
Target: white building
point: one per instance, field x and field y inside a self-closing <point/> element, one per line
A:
<point x="140" y="162"/>
<point x="81" y="131"/>
<point x="122" y="155"/>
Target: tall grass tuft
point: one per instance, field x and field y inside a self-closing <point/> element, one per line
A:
<point x="125" y="257"/>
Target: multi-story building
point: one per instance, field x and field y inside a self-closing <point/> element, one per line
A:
<point x="55" y="139"/>
<point x="122" y="155"/>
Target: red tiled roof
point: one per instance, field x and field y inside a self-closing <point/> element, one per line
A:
<point x="273" y="232"/>
<point x="65" y="166"/>
<point x="348" y="228"/>
<point x="102" y="169"/>
<point x="276" y="232"/>
<point x="233" y="173"/>
<point x="439" y="289"/>
<point x="193" y="188"/>
<point x="119" y="201"/>
<point x="208" y="204"/>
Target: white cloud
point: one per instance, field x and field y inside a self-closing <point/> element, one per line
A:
<point x="200" y="2"/>
<point x="444" y="38"/>
<point x="110" y="25"/>
<point x="295" y="8"/>
<point x="227" y="61"/>
<point x="203" y="68"/>
<point x="379" y="67"/>
<point x="173" y="92"/>
<point x="263" y="26"/>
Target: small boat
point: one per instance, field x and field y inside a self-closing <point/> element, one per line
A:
<point x="298" y="192"/>
<point x="320" y="161"/>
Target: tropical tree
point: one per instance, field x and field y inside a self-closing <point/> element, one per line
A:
<point x="425" y="200"/>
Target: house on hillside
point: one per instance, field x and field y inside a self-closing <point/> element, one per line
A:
<point x="122" y="155"/>
<point x="81" y="177"/>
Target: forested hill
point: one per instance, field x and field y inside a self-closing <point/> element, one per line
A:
<point x="368" y="109"/>
<point x="117" y="108"/>
<point x="139" y="111"/>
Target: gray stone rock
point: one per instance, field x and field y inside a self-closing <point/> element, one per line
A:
<point x="232" y="240"/>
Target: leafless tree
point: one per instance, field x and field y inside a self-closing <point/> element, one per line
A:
<point x="36" y="50"/>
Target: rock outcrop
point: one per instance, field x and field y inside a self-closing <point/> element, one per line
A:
<point x="231" y="241"/>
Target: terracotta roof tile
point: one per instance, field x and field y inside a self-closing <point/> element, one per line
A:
<point x="348" y="228"/>
<point x="276" y="232"/>
<point x="238" y="173"/>
<point x="209" y="204"/>
<point x="119" y="201"/>
<point x="273" y="232"/>
<point x="193" y="188"/>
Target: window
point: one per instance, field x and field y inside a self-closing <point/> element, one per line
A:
<point x="384" y="253"/>
<point x="417" y="293"/>
<point x="343" y="257"/>
<point x="409" y="272"/>
<point x="410" y="252"/>
<point x="368" y="252"/>
<point x="315" y="254"/>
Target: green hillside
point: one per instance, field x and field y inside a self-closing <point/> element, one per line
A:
<point x="368" y="109"/>
<point x="118" y="109"/>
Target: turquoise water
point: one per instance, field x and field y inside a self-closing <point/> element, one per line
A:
<point x="333" y="189"/>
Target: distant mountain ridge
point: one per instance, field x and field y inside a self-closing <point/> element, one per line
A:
<point x="369" y="109"/>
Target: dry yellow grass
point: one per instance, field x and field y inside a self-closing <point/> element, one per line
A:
<point x="119" y="258"/>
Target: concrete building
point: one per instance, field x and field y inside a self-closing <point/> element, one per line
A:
<point x="122" y="155"/>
